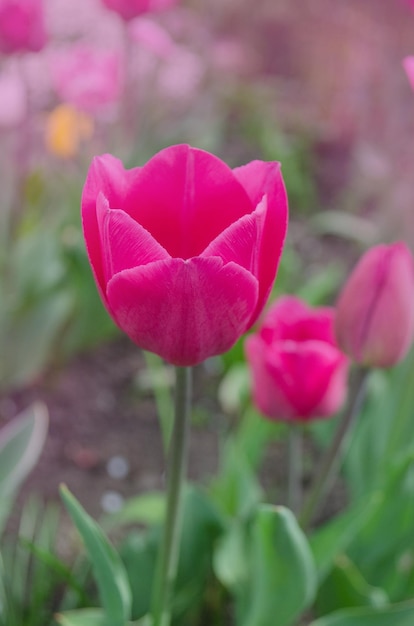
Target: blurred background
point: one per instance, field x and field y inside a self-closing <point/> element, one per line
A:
<point x="316" y="84"/>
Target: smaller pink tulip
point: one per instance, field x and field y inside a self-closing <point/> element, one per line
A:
<point x="298" y="371"/>
<point x="22" y="27"/>
<point x="375" y="311"/>
<point x="129" y="9"/>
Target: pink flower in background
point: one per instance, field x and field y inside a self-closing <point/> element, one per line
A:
<point x="297" y="369"/>
<point x="13" y="101"/>
<point x="408" y="64"/>
<point x="180" y="77"/>
<point x="152" y="37"/>
<point x="129" y="9"/>
<point x="375" y="310"/>
<point x="89" y="78"/>
<point x="184" y="250"/>
<point x="178" y="70"/>
<point x="231" y="56"/>
<point x="22" y="27"/>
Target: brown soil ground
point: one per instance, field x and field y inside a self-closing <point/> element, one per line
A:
<point x="96" y="413"/>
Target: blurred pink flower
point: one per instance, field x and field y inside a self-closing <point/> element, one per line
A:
<point x="375" y="311"/>
<point x="180" y="76"/>
<point x="408" y="64"/>
<point x="129" y="9"/>
<point x="298" y="371"/>
<point x="184" y="250"/>
<point x="22" y="26"/>
<point x="151" y="36"/>
<point x="84" y="20"/>
<point x="89" y="78"/>
<point x="231" y="56"/>
<point x="13" y="101"/>
<point x="175" y="70"/>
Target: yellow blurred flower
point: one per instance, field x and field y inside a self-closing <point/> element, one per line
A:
<point x="66" y="128"/>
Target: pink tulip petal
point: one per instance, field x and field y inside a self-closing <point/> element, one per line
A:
<point x="389" y="331"/>
<point x="303" y="372"/>
<point x="375" y="311"/>
<point x="196" y="194"/>
<point x="291" y="318"/>
<point x="298" y="371"/>
<point x="335" y="393"/>
<point x="239" y="242"/>
<point x="107" y="176"/>
<point x="185" y="311"/>
<point x="265" y="179"/>
<point x="125" y="244"/>
<point x="268" y="397"/>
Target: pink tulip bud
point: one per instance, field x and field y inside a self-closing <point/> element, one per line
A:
<point x="184" y="250"/>
<point x="129" y="9"/>
<point x="22" y="27"/>
<point x="375" y="311"/>
<point x="298" y="372"/>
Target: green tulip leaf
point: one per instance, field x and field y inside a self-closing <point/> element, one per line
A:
<point x="382" y="549"/>
<point x="201" y="525"/>
<point x="84" y="617"/>
<point x="147" y="508"/>
<point x="21" y="442"/>
<point x="236" y="491"/>
<point x="282" y="581"/>
<point x="139" y="553"/>
<point x="110" y="574"/>
<point x="345" y="587"/>
<point x="396" y="615"/>
<point x="230" y="559"/>
<point x="335" y="536"/>
<point x="92" y="617"/>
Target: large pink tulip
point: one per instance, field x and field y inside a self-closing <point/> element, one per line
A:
<point x="298" y="372"/>
<point x="184" y="250"/>
<point x="129" y="9"/>
<point x="22" y="27"/>
<point x="375" y="311"/>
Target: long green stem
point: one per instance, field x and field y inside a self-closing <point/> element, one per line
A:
<point x="163" y="399"/>
<point x="332" y="459"/>
<point x="294" y="467"/>
<point x="168" y="557"/>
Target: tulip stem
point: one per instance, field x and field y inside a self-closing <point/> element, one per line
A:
<point x="162" y="396"/>
<point x="332" y="459"/>
<point x="169" y="550"/>
<point x="294" y="495"/>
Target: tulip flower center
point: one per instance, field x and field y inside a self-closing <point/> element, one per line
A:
<point x="185" y="198"/>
